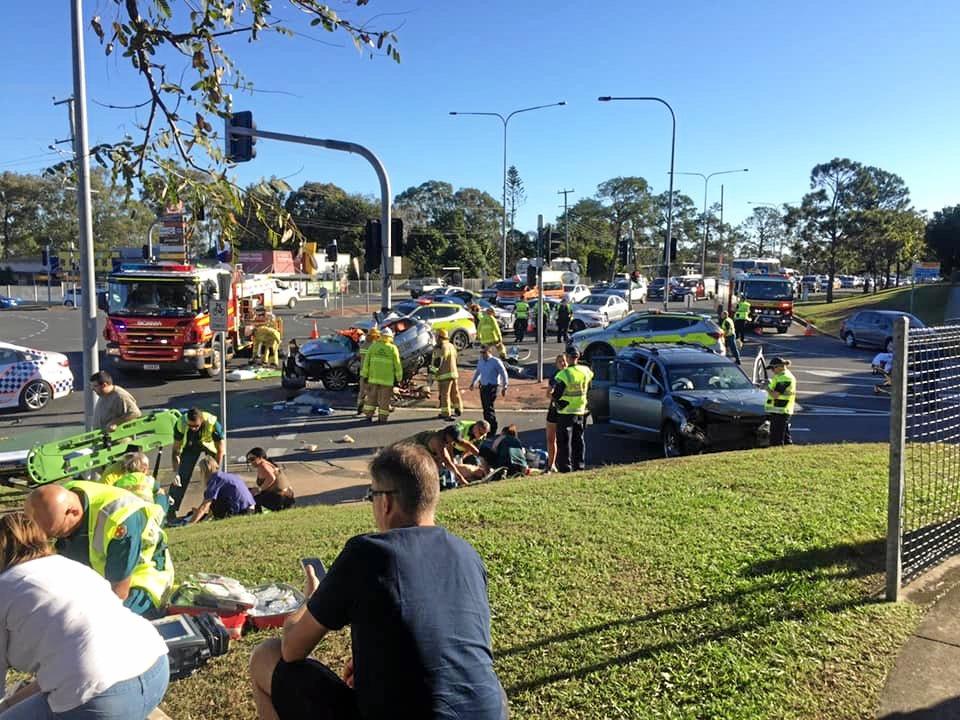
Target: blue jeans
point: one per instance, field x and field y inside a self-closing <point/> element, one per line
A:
<point x="733" y="350"/>
<point x="132" y="699"/>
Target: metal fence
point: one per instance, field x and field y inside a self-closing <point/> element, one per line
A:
<point x="924" y="485"/>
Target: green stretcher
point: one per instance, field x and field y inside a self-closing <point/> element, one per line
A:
<point x="70" y="456"/>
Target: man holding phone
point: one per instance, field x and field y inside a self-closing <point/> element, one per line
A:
<point x="415" y="598"/>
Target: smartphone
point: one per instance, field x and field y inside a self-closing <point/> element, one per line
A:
<point x="316" y="564"/>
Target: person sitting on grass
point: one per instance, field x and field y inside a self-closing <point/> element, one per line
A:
<point x="135" y="477"/>
<point x="415" y="598"/>
<point x="273" y="489"/>
<point x="225" y="494"/>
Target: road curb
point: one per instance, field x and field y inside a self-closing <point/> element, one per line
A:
<point x="25" y="308"/>
<point x="807" y="324"/>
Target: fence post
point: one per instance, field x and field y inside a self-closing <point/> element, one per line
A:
<point x="898" y="436"/>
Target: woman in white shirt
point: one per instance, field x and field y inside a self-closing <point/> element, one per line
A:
<point x="61" y="621"/>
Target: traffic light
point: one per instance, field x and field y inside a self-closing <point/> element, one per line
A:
<point x="240" y="148"/>
<point x="396" y="237"/>
<point x="372" y="246"/>
<point x="45" y="258"/>
<point x="145" y="251"/>
<point x="531" y="276"/>
<point x="556" y="243"/>
<point x="673" y="250"/>
<point x="332" y="252"/>
<point x="623" y="251"/>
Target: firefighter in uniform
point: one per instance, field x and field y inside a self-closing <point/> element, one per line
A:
<point x="113" y="532"/>
<point x="740" y="317"/>
<point x="781" y="401"/>
<point x="383" y="372"/>
<point x="521" y="316"/>
<point x="571" y="386"/>
<point x="443" y="367"/>
<point x="373" y="334"/>
<point x="266" y="337"/>
<point x="730" y="336"/>
<point x="488" y="332"/>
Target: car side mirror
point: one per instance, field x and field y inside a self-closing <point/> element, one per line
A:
<point x="651" y="389"/>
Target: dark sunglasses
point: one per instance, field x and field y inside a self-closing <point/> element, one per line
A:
<point x="371" y="493"/>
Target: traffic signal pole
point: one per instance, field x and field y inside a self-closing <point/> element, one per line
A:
<point x="369" y="156"/>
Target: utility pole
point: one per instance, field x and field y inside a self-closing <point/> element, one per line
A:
<point x="541" y="316"/>
<point x="566" y="224"/>
<point x="81" y="150"/>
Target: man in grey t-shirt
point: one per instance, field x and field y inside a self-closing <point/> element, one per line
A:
<point x="115" y="405"/>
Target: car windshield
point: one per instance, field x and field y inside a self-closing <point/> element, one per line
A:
<point x="769" y="290"/>
<point x="510" y="285"/>
<point x="328" y="344"/>
<point x="163" y="298"/>
<point x="707" y="376"/>
<point x="657" y="282"/>
<point x="597" y="300"/>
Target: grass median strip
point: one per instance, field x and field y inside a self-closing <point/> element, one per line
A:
<point x="742" y="585"/>
<point x="929" y="304"/>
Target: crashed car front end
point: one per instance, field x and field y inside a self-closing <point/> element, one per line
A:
<point x="715" y="424"/>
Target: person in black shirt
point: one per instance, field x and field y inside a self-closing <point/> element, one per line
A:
<point x="415" y="598"/>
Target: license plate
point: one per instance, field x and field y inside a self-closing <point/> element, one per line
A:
<point x="153" y="366"/>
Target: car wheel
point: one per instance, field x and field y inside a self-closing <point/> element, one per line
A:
<point x="577" y="326"/>
<point x="460" y="339"/>
<point x="292" y="303"/>
<point x="598" y="350"/>
<point x="336" y="379"/>
<point x="672" y="441"/>
<point x="850" y="340"/>
<point x="35" y="395"/>
<point x="888" y="345"/>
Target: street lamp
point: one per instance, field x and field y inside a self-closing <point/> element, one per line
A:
<point x="706" y="225"/>
<point x="505" y="120"/>
<point x="673" y="146"/>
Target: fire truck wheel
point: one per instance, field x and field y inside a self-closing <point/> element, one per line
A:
<point x="214" y="369"/>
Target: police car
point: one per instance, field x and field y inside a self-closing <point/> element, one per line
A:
<point x="454" y="318"/>
<point x="31" y="378"/>
<point x="650" y="327"/>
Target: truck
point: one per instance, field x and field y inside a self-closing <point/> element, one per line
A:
<point x="509" y="292"/>
<point x="158" y="317"/>
<point x="771" y="300"/>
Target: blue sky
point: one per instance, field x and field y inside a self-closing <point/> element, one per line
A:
<point x="773" y="87"/>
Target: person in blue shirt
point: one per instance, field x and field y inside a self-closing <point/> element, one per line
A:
<point x="493" y="377"/>
<point x="415" y="598"/>
<point x="225" y="494"/>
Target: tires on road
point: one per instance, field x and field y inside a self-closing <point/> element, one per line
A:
<point x="35" y="395"/>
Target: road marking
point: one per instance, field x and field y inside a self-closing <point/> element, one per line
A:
<point x="287" y="436"/>
<point x="825" y="373"/>
<point x="796" y="429"/>
<point x="44" y="327"/>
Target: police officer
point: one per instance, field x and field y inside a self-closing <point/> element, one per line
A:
<point x="443" y="367"/>
<point x="521" y="315"/>
<point x="196" y="433"/>
<point x="730" y="336"/>
<point x="781" y="401"/>
<point x="571" y="386"/>
<point x="113" y="532"/>
<point x="373" y="334"/>
<point x="383" y="372"/>
<point x="740" y="317"/>
<point x="488" y="331"/>
<point x="564" y="316"/>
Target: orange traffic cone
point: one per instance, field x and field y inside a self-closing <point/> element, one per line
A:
<point x="314" y="334"/>
<point x="809" y="332"/>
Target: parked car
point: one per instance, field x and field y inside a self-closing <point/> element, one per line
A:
<point x="73" y="296"/>
<point x="631" y="291"/>
<point x="30" y="378"/>
<point x="575" y="293"/>
<point x="598" y="311"/>
<point x="422" y="285"/>
<point x="503" y="315"/>
<point x="650" y="327"/>
<point x="600" y="287"/>
<point x="847" y="281"/>
<point x="873" y="328"/>
<point x="686" y="399"/>
<point x="285" y="295"/>
<point x="335" y="359"/>
<point x="7" y="303"/>
<point x="692" y="286"/>
<point x="451" y="294"/>
<point x="655" y="289"/>
<point x="811" y="283"/>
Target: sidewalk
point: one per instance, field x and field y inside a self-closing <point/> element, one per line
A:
<point x="924" y="684"/>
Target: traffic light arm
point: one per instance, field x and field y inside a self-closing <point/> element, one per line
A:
<point x="378" y="167"/>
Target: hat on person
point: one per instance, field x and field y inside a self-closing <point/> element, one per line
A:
<point x="778" y="361"/>
<point x="373" y="333"/>
<point x="572" y="351"/>
<point x="386" y="332"/>
<point x="442" y="334"/>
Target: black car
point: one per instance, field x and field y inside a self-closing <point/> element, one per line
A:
<point x="683" y="397"/>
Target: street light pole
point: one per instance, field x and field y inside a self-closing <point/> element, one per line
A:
<point x="505" y="121"/>
<point x="673" y="146"/>
<point x="706" y="225"/>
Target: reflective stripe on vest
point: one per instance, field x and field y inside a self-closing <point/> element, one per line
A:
<point x="743" y="310"/>
<point x="576" y="380"/>
<point x="206" y="430"/>
<point x="783" y="405"/>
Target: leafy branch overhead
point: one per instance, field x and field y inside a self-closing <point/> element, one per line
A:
<point x="189" y="77"/>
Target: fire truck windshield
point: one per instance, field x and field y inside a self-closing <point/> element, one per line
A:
<point x="768" y="289"/>
<point x="146" y="296"/>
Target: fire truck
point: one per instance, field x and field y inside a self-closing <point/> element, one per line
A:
<point x="158" y="319"/>
<point x="771" y="300"/>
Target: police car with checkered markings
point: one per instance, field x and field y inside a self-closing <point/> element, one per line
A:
<point x="31" y="378"/>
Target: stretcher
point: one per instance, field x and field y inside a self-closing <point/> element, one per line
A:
<point x="70" y="456"/>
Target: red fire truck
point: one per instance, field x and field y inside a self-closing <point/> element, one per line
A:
<point x="770" y="298"/>
<point x="157" y="317"/>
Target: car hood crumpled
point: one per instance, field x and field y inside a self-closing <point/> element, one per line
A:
<point x="730" y="403"/>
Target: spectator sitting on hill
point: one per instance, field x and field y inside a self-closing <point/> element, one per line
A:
<point x="274" y="491"/>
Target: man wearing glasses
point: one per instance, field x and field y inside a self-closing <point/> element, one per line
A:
<point x="196" y="433"/>
<point x="415" y="598"/>
<point x="115" y="405"/>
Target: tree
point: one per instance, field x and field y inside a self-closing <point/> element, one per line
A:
<point x="766" y="231"/>
<point x="516" y="195"/>
<point x="21" y="214"/>
<point x="629" y="205"/>
<point x="324" y="212"/>
<point x="426" y="204"/>
<point x="591" y="236"/>
<point x="425" y="250"/>
<point x="185" y="101"/>
<point x="943" y="237"/>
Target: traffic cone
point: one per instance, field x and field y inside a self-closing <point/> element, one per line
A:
<point x="314" y="334"/>
<point x="809" y="332"/>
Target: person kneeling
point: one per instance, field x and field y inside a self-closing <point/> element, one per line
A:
<point x="273" y="489"/>
<point x="506" y="451"/>
<point x="226" y="494"/>
<point x="412" y="656"/>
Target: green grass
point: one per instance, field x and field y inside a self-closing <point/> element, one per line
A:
<point x="929" y="304"/>
<point x="742" y="585"/>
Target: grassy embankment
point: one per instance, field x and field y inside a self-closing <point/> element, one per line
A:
<point x="929" y="304"/>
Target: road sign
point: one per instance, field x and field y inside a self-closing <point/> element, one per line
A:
<point x="218" y="315"/>
<point x="926" y="271"/>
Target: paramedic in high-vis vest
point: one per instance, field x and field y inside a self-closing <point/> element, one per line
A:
<point x="781" y="401"/>
<point x="570" y="390"/>
<point x="115" y="533"/>
<point x="196" y="433"/>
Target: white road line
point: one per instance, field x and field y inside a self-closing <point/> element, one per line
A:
<point x="287" y="436"/>
<point x="44" y="327"/>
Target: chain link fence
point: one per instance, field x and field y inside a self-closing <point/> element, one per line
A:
<point x="924" y="498"/>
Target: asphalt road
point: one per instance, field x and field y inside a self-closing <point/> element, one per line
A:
<point x="835" y="394"/>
